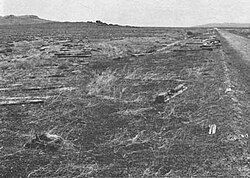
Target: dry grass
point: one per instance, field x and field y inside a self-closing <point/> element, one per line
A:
<point x="106" y="117"/>
<point x="102" y="84"/>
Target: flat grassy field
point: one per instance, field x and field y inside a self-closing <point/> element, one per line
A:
<point x="77" y="101"/>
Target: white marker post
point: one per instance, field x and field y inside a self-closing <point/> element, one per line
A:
<point x="212" y="129"/>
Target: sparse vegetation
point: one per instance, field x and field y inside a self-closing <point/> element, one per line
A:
<point x="102" y="84"/>
<point x="99" y="117"/>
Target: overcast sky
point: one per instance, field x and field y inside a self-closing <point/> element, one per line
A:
<point x="134" y="12"/>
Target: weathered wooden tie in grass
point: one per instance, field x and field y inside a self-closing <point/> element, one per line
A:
<point x="64" y="50"/>
<point x="9" y="103"/>
<point x="185" y="50"/>
<point x="5" y="101"/>
<point x="41" y="88"/>
<point x="194" y="43"/>
<point x="36" y="88"/>
<point x="166" y="96"/>
<point x="209" y="48"/>
<point x="55" y="76"/>
<point x="63" y="55"/>
<point x="45" y="142"/>
<point x="137" y="55"/>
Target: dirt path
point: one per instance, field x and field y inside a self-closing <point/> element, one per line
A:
<point x="239" y="43"/>
<point x="236" y="50"/>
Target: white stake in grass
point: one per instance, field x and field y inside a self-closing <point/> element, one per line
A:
<point x="212" y="129"/>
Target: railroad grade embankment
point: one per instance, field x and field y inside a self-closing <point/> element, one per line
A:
<point x="237" y="58"/>
<point x="237" y="50"/>
<point x="239" y="43"/>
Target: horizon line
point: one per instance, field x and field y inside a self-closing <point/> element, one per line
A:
<point x="94" y="21"/>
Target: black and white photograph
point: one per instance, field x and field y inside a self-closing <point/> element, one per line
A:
<point x="124" y="88"/>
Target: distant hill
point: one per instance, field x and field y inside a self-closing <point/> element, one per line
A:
<point x="33" y="19"/>
<point x="21" y="20"/>
<point x="226" y="25"/>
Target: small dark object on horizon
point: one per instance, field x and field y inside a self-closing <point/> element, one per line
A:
<point x="190" y="33"/>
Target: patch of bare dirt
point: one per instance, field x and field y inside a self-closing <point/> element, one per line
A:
<point x="240" y="43"/>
